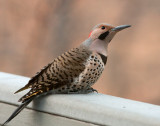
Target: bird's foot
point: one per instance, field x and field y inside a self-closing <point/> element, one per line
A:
<point x="82" y="91"/>
<point x="74" y="92"/>
<point x="90" y="90"/>
<point x="85" y="91"/>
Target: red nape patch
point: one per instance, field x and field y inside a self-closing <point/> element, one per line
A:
<point x="90" y="34"/>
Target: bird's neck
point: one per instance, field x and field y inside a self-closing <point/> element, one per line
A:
<point x="97" y="45"/>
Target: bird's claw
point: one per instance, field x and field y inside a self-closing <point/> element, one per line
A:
<point x="84" y="91"/>
<point x="92" y="90"/>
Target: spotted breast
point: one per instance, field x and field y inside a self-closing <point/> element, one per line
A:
<point x="94" y="67"/>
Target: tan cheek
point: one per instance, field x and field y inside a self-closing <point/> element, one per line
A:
<point x="95" y="34"/>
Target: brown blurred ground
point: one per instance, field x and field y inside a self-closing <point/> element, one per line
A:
<point x="33" y="32"/>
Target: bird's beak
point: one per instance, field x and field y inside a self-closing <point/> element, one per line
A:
<point x="119" y="28"/>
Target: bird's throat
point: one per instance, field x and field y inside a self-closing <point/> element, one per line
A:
<point x="99" y="46"/>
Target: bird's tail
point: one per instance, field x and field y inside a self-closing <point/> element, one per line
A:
<point x="18" y="110"/>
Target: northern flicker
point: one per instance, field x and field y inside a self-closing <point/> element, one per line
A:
<point x="74" y="71"/>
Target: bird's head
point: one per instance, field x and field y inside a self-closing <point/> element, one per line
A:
<point x="105" y="31"/>
<point x="100" y="37"/>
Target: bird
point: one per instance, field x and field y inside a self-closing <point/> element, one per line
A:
<point x="73" y="72"/>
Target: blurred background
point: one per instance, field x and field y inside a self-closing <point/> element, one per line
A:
<point x="33" y="33"/>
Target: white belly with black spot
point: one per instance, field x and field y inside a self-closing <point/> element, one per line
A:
<point x="94" y="68"/>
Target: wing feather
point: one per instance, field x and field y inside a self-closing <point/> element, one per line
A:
<point x="60" y="72"/>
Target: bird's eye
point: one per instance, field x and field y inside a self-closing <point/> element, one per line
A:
<point x="102" y="27"/>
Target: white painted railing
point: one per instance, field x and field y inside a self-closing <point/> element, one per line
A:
<point x="73" y="110"/>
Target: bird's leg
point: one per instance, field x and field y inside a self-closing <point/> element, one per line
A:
<point x="75" y="92"/>
<point x="83" y="91"/>
<point x="89" y="90"/>
<point x="68" y="89"/>
<point x="93" y="90"/>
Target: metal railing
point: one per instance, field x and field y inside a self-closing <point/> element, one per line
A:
<point x="74" y="109"/>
